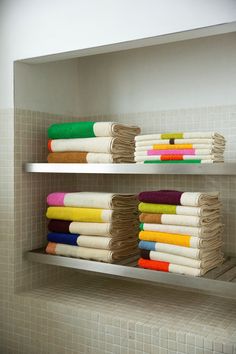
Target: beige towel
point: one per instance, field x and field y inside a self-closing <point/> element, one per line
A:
<point x="205" y="264"/>
<point x="101" y="255"/>
<point x="118" y="231"/>
<point x="106" y="243"/>
<point x="97" y="145"/>
<point x="202" y="232"/>
<point x="98" y="200"/>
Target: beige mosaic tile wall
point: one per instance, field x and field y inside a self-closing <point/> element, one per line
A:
<point x="48" y="310"/>
<point x="31" y="146"/>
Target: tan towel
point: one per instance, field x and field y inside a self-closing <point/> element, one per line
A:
<point x="182" y="220"/>
<point x="89" y="157"/>
<point x="101" y="255"/>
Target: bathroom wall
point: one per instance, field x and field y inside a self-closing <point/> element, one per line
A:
<point x="188" y="74"/>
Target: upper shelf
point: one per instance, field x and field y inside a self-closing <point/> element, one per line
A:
<point x="141" y="169"/>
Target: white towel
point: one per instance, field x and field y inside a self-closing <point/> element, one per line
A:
<point x="100" y="200"/>
<point x="187" y="220"/>
<point x="92" y="253"/>
<point x="187" y="135"/>
<point x="202" y="232"/>
<point x="99" y="145"/>
<point x="113" y="129"/>
<point x="212" y="142"/>
<point x="90" y="228"/>
<point x="185" y="261"/>
<point x="106" y="243"/>
<point x="198" y="152"/>
<point x="210" y="147"/>
<point x="194" y="253"/>
<point x="118" y="231"/>
<point x="203" y="158"/>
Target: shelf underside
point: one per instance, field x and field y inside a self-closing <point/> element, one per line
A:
<point x="143" y="169"/>
<point x="219" y="281"/>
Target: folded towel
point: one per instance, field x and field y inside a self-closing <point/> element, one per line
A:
<point x="106" y="243"/>
<point x="169" y="267"/>
<point x="89" y="214"/>
<point x="219" y="143"/>
<point x="100" y="145"/>
<point x="194" y="253"/>
<point x="154" y="152"/>
<point x="89" y="157"/>
<point x="101" y="200"/>
<point x="180" y="240"/>
<point x="184" y="261"/>
<point x="179" y="198"/>
<point x="179" y="210"/>
<point x="202" y="232"/>
<point x="187" y="135"/>
<point x="118" y="231"/>
<point x="68" y="239"/>
<point x="183" y="220"/>
<point x="89" y="253"/>
<point x="211" y="147"/>
<point x="178" y="161"/>
<point x="91" y="129"/>
<point x="212" y="157"/>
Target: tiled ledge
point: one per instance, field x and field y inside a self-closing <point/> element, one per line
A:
<point x="117" y="316"/>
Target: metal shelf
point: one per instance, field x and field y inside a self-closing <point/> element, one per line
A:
<point x="225" y="286"/>
<point x="137" y="169"/>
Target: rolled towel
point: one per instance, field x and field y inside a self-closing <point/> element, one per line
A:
<point x="202" y="232"/>
<point x="169" y="267"/>
<point x="179" y="135"/>
<point x="201" y="142"/>
<point x="93" y="200"/>
<point x="89" y="214"/>
<point x="89" y="157"/>
<point x="194" y="253"/>
<point x="92" y="129"/>
<point x="184" y="261"/>
<point x="95" y="254"/>
<point x="118" y="231"/>
<point x="204" y="210"/>
<point x="181" y="240"/>
<point x="99" y="242"/>
<point x="179" y="198"/>
<point x="99" y="145"/>
<point x="183" y="220"/>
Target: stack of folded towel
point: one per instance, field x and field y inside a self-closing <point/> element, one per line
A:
<point x="96" y="226"/>
<point x="91" y="142"/>
<point x="195" y="147"/>
<point x="181" y="232"/>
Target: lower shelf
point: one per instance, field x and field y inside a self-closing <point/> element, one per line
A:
<point x="219" y="281"/>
